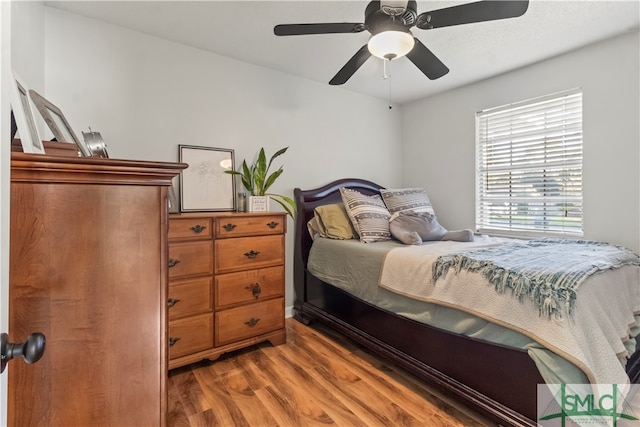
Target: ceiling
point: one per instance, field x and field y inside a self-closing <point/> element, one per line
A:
<point x="244" y="30"/>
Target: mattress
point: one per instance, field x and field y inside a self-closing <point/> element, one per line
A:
<point x="355" y="268"/>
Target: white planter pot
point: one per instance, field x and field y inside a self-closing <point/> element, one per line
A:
<point x="258" y="204"/>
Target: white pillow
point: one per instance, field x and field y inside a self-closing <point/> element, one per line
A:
<point x="406" y="199"/>
<point x="368" y="214"/>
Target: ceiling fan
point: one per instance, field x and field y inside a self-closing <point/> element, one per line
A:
<point x="389" y="23"/>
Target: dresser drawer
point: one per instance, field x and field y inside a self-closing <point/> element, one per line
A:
<point x="190" y="335"/>
<point x="189" y="297"/>
<point x="256" y="225"/>
<point x="245" y="253"/>
<point x="251" y="320"/>
<point x="190" y="259"/>
<point x="249" y="286"/>
<point x="190" y="229"/>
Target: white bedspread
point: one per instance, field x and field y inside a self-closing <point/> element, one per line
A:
<point x="595" y="339"/>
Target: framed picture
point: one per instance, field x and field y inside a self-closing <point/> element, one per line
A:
<point x="174" y="205"/>
<point x="24" y="118"/>
<point x="204" y="185"/>
<point x="56" y="121"/>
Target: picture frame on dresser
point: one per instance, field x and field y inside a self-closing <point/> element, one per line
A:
<point x="57" y="122"/>
<point x="204" y="185"/>
<point x="24" y="117"/>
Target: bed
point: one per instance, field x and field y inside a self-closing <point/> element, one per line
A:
<point x="497" y="379"/>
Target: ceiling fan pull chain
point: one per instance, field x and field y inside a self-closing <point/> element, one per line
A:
<point x="387" y="78"/>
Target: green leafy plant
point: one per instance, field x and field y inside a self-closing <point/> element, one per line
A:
<point x="257" y="180"/>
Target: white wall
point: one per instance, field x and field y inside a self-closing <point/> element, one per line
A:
<point x="27" y="56"/>
<point x="146" y="96"/>
<point x="439" y="136"/>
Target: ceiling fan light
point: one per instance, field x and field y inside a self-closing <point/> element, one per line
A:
<point x="391" y="44"/>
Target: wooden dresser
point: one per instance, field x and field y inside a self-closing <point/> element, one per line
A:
<point x="88" y="268"/>
<point x="226" y="283"/>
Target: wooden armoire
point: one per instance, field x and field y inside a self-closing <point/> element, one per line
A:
<point x="88" y="269"/>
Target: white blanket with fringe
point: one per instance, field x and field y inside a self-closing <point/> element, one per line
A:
<point x="595" y="338"/>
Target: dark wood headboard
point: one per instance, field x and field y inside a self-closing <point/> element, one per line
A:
<point x="306" y="202"/>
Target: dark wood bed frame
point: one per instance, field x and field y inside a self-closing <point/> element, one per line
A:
<point x="498" y="381"/>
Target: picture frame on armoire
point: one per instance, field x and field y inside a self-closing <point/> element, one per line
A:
<point x="57" y="122"/>
<point x="24" y="118"/>
<point x="172" y="197"/>
<point x="204" y="185"/>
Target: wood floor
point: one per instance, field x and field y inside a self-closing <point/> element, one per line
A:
<point x="317" y="378"/>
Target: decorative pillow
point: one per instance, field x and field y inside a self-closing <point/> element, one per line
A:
<point x="368" y="214"/>
<point x="413" y="228"/>
<point x="314" y="228"/>
<point x="406" y="199"/>
<point x="334" y="222"/>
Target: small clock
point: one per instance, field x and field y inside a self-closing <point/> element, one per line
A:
<point x="95" y="144"/>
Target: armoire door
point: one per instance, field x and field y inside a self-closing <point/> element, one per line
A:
<point x="88" y="270"/>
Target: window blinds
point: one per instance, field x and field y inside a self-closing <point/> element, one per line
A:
<point x="529" y="166"/>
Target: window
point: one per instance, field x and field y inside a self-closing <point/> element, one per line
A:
<point x="529" y="167"/>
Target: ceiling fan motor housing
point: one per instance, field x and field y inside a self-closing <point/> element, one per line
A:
<point x="376" y="20"/>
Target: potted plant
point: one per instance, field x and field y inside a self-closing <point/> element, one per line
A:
<point x="257" y="180"/>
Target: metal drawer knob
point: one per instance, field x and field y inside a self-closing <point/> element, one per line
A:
<point x="252" y="322"/>
<point x="197" y="228"/>
<point x="272" y="224"/>
<point x="173" y="262"/>
<point x="171" y="302"/>
<point x="251" y="254"/>
<point x="173" y="340"/>
<point x="255" y="289"/>
<point x="229" y="226"/>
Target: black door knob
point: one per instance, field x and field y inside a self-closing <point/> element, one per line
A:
<point x="31" y="350"/>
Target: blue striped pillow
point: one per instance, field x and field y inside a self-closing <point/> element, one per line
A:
<point x="368" y="215"/>
<point x="406" y="199"/>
